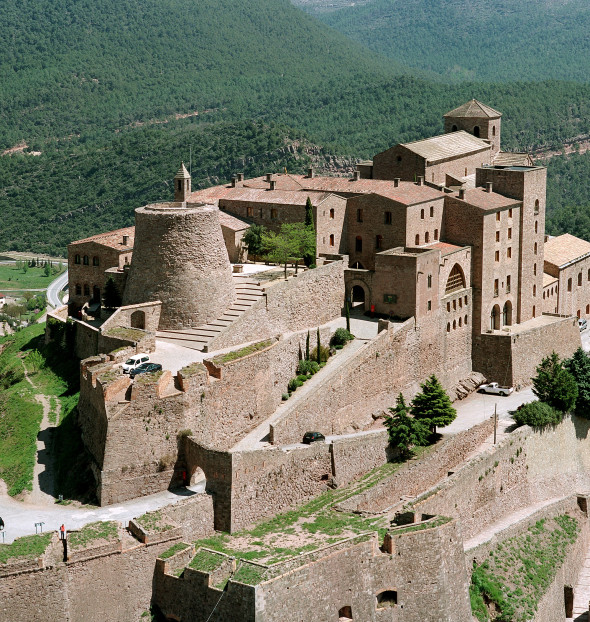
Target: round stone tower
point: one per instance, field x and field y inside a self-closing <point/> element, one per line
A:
<point x="180" y="258"/>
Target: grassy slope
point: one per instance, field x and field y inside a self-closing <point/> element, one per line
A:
<point x="479" y="40"/>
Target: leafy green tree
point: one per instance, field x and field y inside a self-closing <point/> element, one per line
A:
<point x="47" y="269"/>
<point x="278" y="248"/>
<point x="555" y="385"/>
<point x="579" y="367"/>
<point x="405" y="432"/>
<point x="432" y="406"/>
<point x="111" y="296"/>
<point x="302" y="240"/>
<point x="253" y="240"/>
<point x="537" y="415"/>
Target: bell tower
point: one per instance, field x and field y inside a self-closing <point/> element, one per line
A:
<point x="477" y="119"/>
<point x="182" y="184"/>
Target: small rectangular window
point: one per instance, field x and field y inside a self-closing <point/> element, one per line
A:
<point x="430" y="280"/>
<point x="422" y="214"/>
<point x="430" y="305"/>
<point x="510" y="233"/>
<point x="498" y="216"/>
<point x="569" y="285"/>
<point x="431" y="211"/>
<point x="509" y="252"/>
<point x="497" y="257"/>
<point x="359" y="215"/>
<point x="510" y="213"/>
<point x="332" y="214"/>
<point x="387" y="218"/>
<point x="496" y="288"/>
<point x="497" y="236"/>
<point x="273" y="213"/>
<point x="508" y="284"/>
<point x="250" y="212"/>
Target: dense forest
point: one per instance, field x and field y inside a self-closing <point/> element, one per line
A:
<point x="110" y="96"/>
<point x="476" y="40"/>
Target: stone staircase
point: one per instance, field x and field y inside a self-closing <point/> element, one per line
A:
<point x="248" y="292"/>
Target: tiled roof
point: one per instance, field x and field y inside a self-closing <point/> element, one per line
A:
<point x="548" y="279"/>
<point x="507" y="158"/>
<point x="564" y="249"/>
<point x="447" y="146"/>
<point x="232" y="222"/>
<point x="479" y="197"/>
<point x="276" y="197"/>
<point x="474" y="109"/>
<point x="112" y="239"/>
<point x="445" y="248"/>
<point x="182" y="173"/>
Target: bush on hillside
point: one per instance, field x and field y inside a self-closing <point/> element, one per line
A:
<point x="324" y="353"/>
<point x="308" y="368"/>
<point x="341" y="337"/>
<point x="537" y="415"/>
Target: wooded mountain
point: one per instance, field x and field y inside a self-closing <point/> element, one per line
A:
<point x="475" y="39"/>
<point x="107" y="91"/>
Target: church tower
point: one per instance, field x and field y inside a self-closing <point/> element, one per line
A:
<point x="182" y="184"/>
<point x="477" y="119"/>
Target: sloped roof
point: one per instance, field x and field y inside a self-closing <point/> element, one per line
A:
<point x="182" y="173"/>
<point x="548" y="279"/>
<point x="446" y="248"/>
<point x="474" y="109"/>
<point x="276" y="197"/>
<point x="112" y="239"/>
<point x="507" y="158"/>
<point x="232" y="222"/>
<point x="447" y="146"/>
<point x="479" y="197"/>
<point x="564" y="249"/>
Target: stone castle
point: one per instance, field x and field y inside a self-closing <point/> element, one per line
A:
<point x="442" y="242"/>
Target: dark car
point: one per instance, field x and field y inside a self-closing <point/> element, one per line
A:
<point x="145" y="368"/>
<point x="312" y="437"/>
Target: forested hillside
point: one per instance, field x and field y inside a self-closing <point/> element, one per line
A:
<point x="475" y="39"/>
<point x="111" y="95"/>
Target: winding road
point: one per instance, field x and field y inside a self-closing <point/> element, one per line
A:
<point x="54" y="288"/>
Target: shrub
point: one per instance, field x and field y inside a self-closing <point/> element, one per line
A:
<point x="302" y="378"/>
<point x="184" y="433"/>
<point x="285" y="397"/>
<point x="537" y="415"/>
<point x="324" y="353"/>
<point x="341" y="337"/>
<point x="294" y="383"/>
<point x="308" y="367"/>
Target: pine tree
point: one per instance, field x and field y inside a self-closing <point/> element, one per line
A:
<point x="319" y="349"/>
<point x="307" y="347"/>
<point x="554" y="384"/>
<point x="111" y="296"/>
<point x="432" y="406"/>
<point x="310" y="253"/>
<point x="579" y="367"/>
<point x="404" y="431"/>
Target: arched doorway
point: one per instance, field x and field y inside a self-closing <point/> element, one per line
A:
<point x="456" y="280"/>
<point x="495" y="318"/>
<point x="96" y="294"/>
<point x="358" y="297"/>
<point x="345" y="613"/>
<point x="476" y="131"/>
<point x="507" y="314"/>
<point x="138" y="319"/>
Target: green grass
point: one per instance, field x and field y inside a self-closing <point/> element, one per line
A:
<point x="175" y="548"/>
<point x="249" y="574"/>
<point x="22" y="548"/>
<point x="129" y="334"/>
<point x="238" y="354"/>
<point x="192" y="369"/>
<point x="102" y="530"/>
<point x="206" y="561"/>
<point x="440" y="520"/>
<point x="519" y="571"/>
<point x="153" y="522"/>
<point x="13" y="278"/>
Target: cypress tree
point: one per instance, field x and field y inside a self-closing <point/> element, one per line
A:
<point x="347" y="316"/>
<point x="307" y="347"/>
<point x="309" y="256"/>
<point x="319" y="349"/>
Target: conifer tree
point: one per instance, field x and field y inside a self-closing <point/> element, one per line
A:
<point x="307" y="347"/>
<point x="432" y="406"/>
<point x="404" y="432"/>
<point x="309" y="256"/>
<point x="319" y="349"/>
<point x="347" y="316"/>
<point x="554" y="384"/>
<point x="579" y="367"/>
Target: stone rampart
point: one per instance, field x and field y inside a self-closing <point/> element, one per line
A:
<point x="356" y="455"/>
<point x="145" y="316"/>
<point x="311" y="299"/>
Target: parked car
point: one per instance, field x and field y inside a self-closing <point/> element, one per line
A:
<point x="135" y="361"/>
<point x="313" y="437"/>
<point x="145" y="368"/>
<point x="582" y="324"/>
<point x="495" y="389"/>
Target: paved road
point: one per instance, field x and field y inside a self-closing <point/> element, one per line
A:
<point x="54" y="288"/>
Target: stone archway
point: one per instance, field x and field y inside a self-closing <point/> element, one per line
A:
<point x="138" y="319"/>
<point x="358" y="297"/>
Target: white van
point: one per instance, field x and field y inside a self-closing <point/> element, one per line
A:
<point x="135" y="361"/>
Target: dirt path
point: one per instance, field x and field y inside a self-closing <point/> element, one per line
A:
<point x="43" y="472"/>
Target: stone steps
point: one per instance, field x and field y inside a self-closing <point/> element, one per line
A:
<point x="248" y="293"/>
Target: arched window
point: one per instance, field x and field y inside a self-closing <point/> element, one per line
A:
<point x="417" y="239"/>
<point x="454" y="128"/>
<point x="456" y="280"/>
<point x="345" y="613"/>
<point x="536" y="226"/>
<point x="454" y="324"/>
<point x="95" y="261"/>
<point x="536" y="206"/>
<point x="476" y="131"/>
<point x="534" y="290"/>
<point x="460" y="322"/>
<point x="77" y="259"/>
<point x="448" y="327"/>
<point x="331" y="239"/>
<point x="493" y="130"/>
<point x="535" y="248"/>
<point x="86" y="260"/>
<point x="426" y="237"/>
<point x="495" y="318"/>
<point x="579" y="279"/>
<point x="86" y="289"/>
<point x="332" y="213"/>
<point x="436" y="234"/>
<point x="507" y="314"/>
<point x="534" y="311"/>
<point x="387" y="598"/>
<point x="359" y="244"/>
<point x="78" y="289"/>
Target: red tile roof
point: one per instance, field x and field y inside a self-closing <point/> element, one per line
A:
<point x="232" y="222"/>
<point x="445" y="248"/>
<point x="487" y="201"/>
<point x="112" y="239"/>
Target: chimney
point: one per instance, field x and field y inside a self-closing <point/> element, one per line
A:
<point x="273" y="184"/>
<point x="269" y="177"/>
<point x="396" y="181"/>
<point x="461" y="193"/>
<point x="420" y="180"/>
<point x="240" y="176"/>
<point x="310" y="172"/>
<point x="125" y="240"/>
<point x="356" y="176"/>
<point x="488" y="186"/>
<point x="234" y="180"/>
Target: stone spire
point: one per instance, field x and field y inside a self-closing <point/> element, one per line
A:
<point x="182" y="184"/>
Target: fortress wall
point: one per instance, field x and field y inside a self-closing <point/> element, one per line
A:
<point x="410" y="480"/>
<point x="311" y="299"/>
<point x="269" y="481"/>
<point x="527" y="467"/>
<point x="357" y="455"/>
<point x="194" y="515"/>
<point x="397" y="360"/>
<point x="123" y="316"/>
